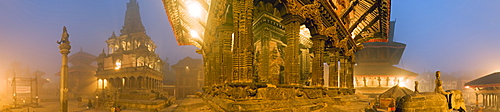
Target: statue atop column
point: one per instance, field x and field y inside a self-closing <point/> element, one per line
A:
<point x="64" y="36"/>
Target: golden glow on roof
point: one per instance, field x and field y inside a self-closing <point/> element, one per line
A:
<point x="188" y="19"/>
<point x="194" y="34"/>
<point x="194" y="8"/>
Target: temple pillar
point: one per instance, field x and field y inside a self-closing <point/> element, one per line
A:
<point x="342" y="73"/>
<point x="141" y="83"/>
<point x="146" y="83"/>
<point x="151" y="83"/>
<point x="364" y="81"/>
<point x="477" y="100"/>
<point x="379" y="81"/>
<point x="333" y="65"/>
<point x="487" y="100"/>
<point x="497" y="102"/>
<point x="350" y="73"/>
<point x="225" y="32"/>
<point x="484" y="99"/>
<point x="127" y="81"/>
<point x="387" y="81"/>
<point x="317" y="66"/>
<point x="155" y="84"/>
<point x="243" y="41"/>
<point x="292" y="29"/>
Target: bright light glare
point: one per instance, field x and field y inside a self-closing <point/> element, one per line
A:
<point x="194" y="34"/>
<point x="194" y="8"/>
<point x="118" y="64"/>
<point x="467" y="87"/>
<point x="402" y="84"/>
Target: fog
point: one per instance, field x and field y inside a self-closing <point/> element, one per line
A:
<point x="29" y="30"/>
<point x="458" y="36"/>
<point x="447" y="35"/>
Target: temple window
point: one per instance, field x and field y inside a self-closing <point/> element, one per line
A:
<point x="128" y="46"/>
<point x="149" y="47"/>
<point x="124" y="45"/>
<point x="123" y="81"/>
<point x="105" y="83"/>
<point x="140" y="61"/>
<point x="99" y="84"/>
<point x="110" y="49"/>
<point x="116" y="47"/>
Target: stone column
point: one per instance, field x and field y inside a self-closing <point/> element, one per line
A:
<point x="490" y="100"/>
<point x="387" y="81"/>
<point x="334" y="72"/>
<point x="225" y="32"/>
<point x="342" y="73"/>
<point x="317" y="66"/>
<point x="150" y="83"/>
<point x="141" y="83"/>
<point x="364" y="81"/>
<point x="292" y="29"/>
<point x="146" y="83"/>
<point x="157" y="84"/>
<point x="243" y="40"/>
<point x="154" y="84"/>
<point x="487" y="100"/>
<point x="477" y="100"/>
<point x="128" y="82"/>
<point x="484" y="99"/>
<point x="64" y="47"/>
<point x="350" y="73"/>
<point x="379" y="81"/>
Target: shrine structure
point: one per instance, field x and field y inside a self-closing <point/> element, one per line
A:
<point x="270" y="54"/>
<point x="130" y="73"/>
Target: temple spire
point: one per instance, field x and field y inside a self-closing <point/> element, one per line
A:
<point x="113" y="35"/>
<point x="133" y="23"/>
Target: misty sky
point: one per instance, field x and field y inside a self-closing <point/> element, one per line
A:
<point x="446" y="35"/>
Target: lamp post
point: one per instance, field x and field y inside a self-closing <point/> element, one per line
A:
<point x="64" y="47"/>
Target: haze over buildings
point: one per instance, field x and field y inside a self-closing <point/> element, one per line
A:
<point x="447" y="35"/>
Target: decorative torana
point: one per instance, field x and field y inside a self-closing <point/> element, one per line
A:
<point x="276" y="50"/>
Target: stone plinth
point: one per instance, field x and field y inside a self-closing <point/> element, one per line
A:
<point x="422" y="102"/>
<point x="267" y="97"/>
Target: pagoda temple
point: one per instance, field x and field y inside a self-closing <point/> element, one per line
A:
<point x="374" y="72"/>
<point x="81" y="74"/>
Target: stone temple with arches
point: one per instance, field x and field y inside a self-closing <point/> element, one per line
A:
<point x="129" y="74"/>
